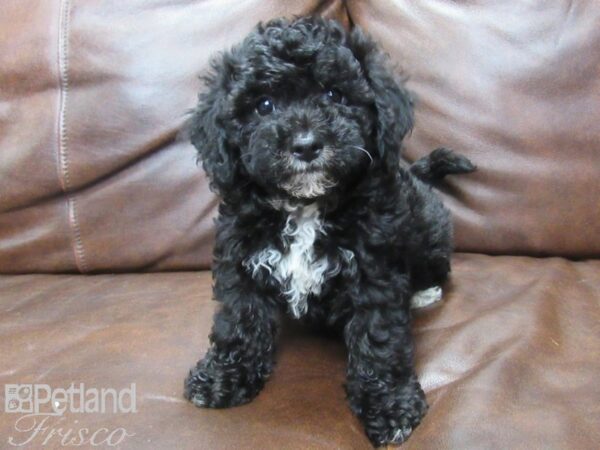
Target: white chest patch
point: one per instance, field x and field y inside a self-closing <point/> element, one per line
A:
<point x="298" y="270"/>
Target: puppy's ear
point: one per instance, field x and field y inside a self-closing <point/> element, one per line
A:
<point x="207" y="128"/>
<point x="393" y="104"/>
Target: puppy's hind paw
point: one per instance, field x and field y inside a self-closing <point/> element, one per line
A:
<point x="427" y="297"/>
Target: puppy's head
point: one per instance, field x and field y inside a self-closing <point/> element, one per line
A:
<point x="299" y="108"/>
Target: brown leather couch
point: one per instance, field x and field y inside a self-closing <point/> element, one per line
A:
<point x="106" y="223"/>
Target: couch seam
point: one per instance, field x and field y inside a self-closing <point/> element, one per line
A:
<point x="348" y="16"/>
<point x="63" y="154"/>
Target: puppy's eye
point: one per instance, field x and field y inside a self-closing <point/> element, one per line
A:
<point x="334" y="95"/>
<point x="265" y="106"/>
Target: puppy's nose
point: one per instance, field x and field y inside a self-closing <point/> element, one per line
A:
<point x="305" y="146"/>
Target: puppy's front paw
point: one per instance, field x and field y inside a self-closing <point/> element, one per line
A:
<point x="405" y="419"/>
<point x="392" y="418"/>
<point x="212" y="384"/>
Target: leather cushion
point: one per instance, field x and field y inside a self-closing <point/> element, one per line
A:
<point x="508" y="360"/>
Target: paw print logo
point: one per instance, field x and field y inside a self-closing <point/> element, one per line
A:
<point x="18" y="398"/>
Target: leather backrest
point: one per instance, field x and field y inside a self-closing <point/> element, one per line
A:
<point x="92" y="97"/>
<point x="516" y="87"/>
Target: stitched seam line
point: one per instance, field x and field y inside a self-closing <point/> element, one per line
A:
<point x="63" y="155"/>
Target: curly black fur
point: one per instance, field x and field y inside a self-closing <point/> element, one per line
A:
<point x="299" y="132"/>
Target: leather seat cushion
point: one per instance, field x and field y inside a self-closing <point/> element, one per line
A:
<point x="509" y="360"/>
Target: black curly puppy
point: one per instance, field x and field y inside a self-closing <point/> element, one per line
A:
<point x="299" y="132"/>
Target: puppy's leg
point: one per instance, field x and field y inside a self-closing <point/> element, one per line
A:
<point x="432" y="248"/>
<point x="241" y="355"/>
<point x="382" y="386"/>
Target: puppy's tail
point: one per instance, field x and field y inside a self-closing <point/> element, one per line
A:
<point x="439" y="163"/>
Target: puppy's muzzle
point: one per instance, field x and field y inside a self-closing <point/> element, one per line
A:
<point x="306" y="147"/>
